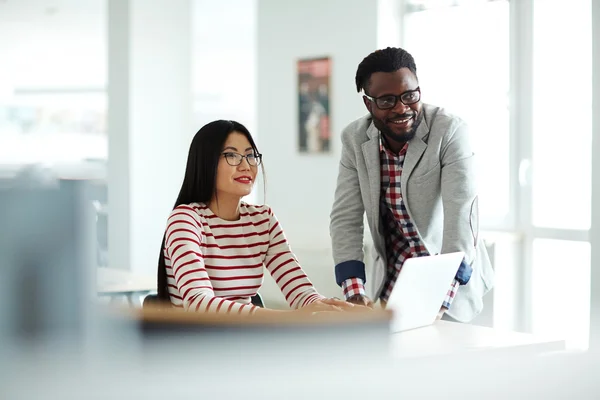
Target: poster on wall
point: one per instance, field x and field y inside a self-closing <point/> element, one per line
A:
<point x="313" y="105"/>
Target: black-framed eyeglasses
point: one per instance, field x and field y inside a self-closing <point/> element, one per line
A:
<point x="235" y="159"/>
<point x="389" y="100"/>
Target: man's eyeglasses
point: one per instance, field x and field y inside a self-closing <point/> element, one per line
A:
<point x="389" y="100"/>
<point x="235" y="159"/>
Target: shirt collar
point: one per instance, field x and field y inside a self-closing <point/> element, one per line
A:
<point x="383" y="148"/>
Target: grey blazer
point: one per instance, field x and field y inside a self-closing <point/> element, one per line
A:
<point x="439" y="190"/>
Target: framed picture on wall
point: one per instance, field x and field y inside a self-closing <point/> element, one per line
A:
<point x="314" y="132"/>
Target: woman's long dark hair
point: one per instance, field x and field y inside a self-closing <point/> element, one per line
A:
<point x="199" y="182"/>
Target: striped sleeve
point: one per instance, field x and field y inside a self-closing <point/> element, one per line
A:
<point x="281" y="263"/>
<point x="183" y="244"/>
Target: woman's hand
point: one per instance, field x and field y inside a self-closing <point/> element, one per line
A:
<point x="331" y="304"/>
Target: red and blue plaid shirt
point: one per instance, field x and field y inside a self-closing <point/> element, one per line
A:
<point x="401" y="237"/>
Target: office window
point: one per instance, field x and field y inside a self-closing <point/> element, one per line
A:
<point x="561" y="290"/>
<point x="562" y="114"/>
<point x="52" y="82"/>
<point x="39" y="126"/>
<point x="561" y="169"/>
<point x="462" y="56"/>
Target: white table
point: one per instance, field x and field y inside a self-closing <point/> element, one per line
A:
<point x="281" y="366"/>
<point x="448" y="338"/>
<point x="115" y="283"/>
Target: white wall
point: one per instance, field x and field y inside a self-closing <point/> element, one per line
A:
<point x="149" y="120"/>
<point x="300" y="187"/>
<point x="224" y="61"/>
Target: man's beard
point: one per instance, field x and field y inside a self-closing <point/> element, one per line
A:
<point x="390" y="134"/>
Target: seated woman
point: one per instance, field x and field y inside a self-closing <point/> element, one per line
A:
<point x="215" y="245"/>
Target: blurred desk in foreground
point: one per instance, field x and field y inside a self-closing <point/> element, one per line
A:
<point x="441" y="339"/>
<point x="450" y="338"/>
<point x="115" y="283"/>
<point x="160" y="321"/>
<point x="301" y="355"/>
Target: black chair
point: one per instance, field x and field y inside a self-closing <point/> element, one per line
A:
<point x="257" y="301"/>
<point x="152" y="300"/>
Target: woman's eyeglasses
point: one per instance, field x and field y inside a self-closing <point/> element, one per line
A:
<point x="235" y="159"/>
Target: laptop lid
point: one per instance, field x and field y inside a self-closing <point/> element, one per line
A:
<point x="421" y="288"/>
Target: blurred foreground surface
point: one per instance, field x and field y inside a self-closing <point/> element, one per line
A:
<point x="56" y="342"/>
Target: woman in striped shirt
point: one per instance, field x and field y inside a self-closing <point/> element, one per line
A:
<point x="215" y="245"/>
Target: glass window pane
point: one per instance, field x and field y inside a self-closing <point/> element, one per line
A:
<point x="54" y="127"/>
<point x="466" y="70"/>
<point x="561" y="290"/>
<point x="561" y="175"/>
<point x="53" y="75"/>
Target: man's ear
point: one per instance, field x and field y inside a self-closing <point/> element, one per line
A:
<point x="368" y="103"/>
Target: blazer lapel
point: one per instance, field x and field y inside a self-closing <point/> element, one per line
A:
<point x="416" y="148"/>
<point x="370" y="151"/>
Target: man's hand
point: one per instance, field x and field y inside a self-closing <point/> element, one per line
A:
<point x="360" y="300"/>
<point x="441" y="313"/>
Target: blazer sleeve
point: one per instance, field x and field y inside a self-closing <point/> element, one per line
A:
<point x="459" y="195"/>
<point x="346" y="218"/>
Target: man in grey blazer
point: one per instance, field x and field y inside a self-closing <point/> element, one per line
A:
<point x="410" y="167"/>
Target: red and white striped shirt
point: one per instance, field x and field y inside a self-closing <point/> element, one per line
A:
<point x="217" y="265"/>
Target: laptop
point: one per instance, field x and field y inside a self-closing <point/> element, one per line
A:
<point x="420" y="290"/>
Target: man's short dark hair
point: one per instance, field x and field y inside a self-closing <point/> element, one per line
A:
<point x="389" y="59"/>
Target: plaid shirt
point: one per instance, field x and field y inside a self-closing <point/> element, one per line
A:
<point x="401" y="238"/>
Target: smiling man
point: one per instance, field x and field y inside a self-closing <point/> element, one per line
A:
<point x="410" y="166"/>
